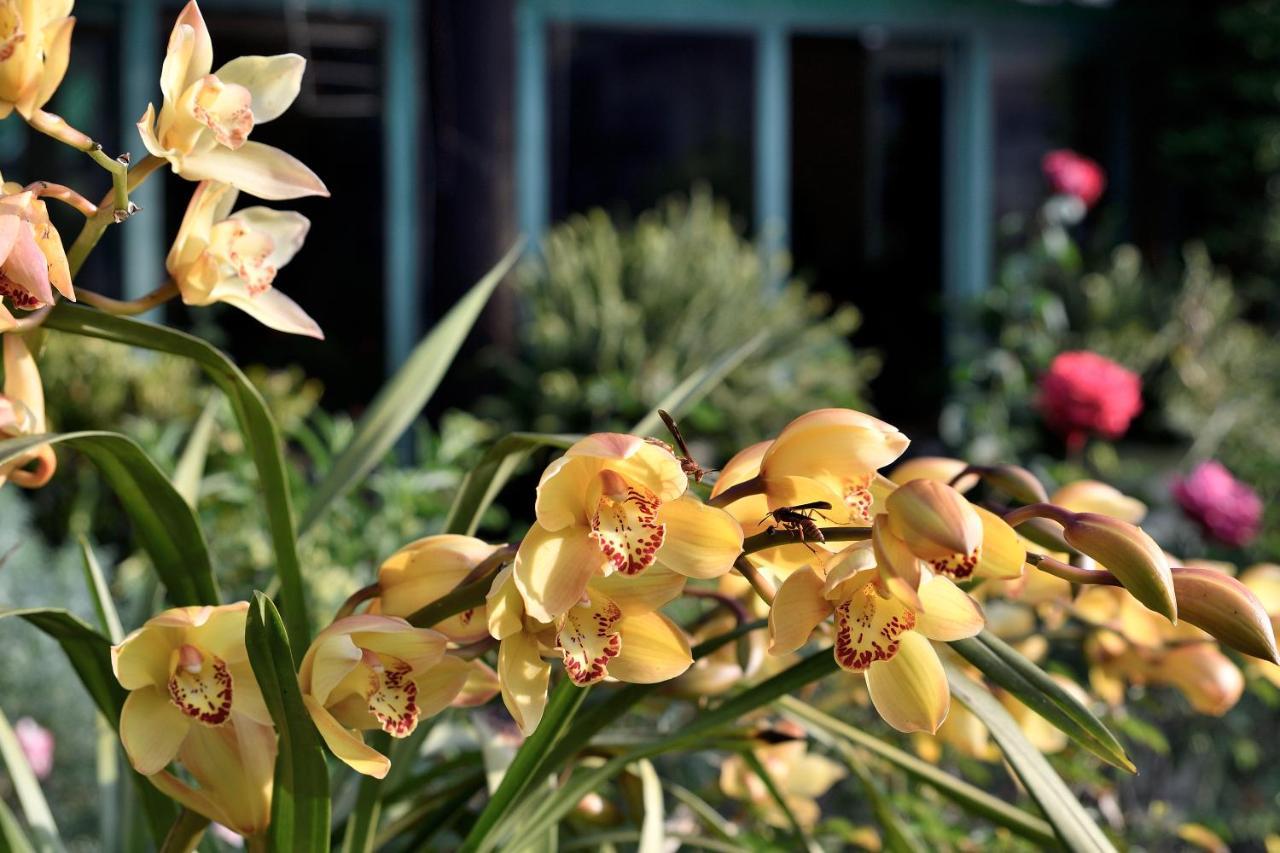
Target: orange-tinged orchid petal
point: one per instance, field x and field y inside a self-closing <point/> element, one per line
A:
<point x="504" y="606"/>
<point x="440" y="686"/>
<point x="948" y="612"/>
<point x="640" y="594"/>
<point x="524" y="676"/>
<point x="654" y="649"/>
<point x="699" y="541"/>
<point x="1002" y="554"/>
<point x="273" y="82"/>
<point x="552" y="569"/>
<point x="798" y="607"/>
<point x="35" y="43"/>
<point x="840" y="443"/>
<point x="938" y="525"/>
<point x="22" y="413"/>
<point x="480" y="686"/>
<point x="900" y="570"/>
<point x="1208" y="678"/>
<point x="590" y="639"/>
<point x="909" y="690"/>
<point x="637" y="461"/>
<point x="152" y="729"/>
<point x="1099" y="497"/>
<point x="346" y="744"/>
<point x="940" y="469"/>
<point x="427" y="570"/>
<point x="235" y="767"/>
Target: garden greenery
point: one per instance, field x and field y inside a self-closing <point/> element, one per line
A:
<point x="604" y="631"/>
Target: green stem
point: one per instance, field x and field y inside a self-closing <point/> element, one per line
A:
<point x="754" y="486"/>
<point x="128" y="308"/>
<point x="1075" y="574"/>
<point x="107" y="214"/>
<point x="777" y="536"/>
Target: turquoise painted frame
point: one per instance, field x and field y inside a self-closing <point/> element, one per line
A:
<point x="406" y="277"/>
<point x="963" y="25"/>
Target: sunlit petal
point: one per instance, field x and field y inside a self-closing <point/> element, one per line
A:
<point x="910" y="690"/>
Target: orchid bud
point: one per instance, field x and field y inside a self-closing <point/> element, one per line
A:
<point x="937" y="468"/>
<point x="938" y="525"/>
<point x="1131" y="555"/>
<point x="1096" y="496"/>
<point x="1227" y="609"/>
<point x="899" y="568"/>
<point x="1016" y="482"/>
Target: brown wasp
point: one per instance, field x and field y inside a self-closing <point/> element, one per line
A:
<point x="800" y="519"/>
<point x="687" y="463"/>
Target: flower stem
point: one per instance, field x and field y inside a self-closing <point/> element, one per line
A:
<point x="64" y="194"/>
<point x="1074" y="574"/>
<point x="758" y="582"/>
<point x="93" y="229"/>
<point x="128" y="308"/>
<point x="1023" y="514"/>
<point x="357" y="598"/>
<point x="754" y="486"/>
<point x="775" y="536"/>
<point x="728" y="602"/>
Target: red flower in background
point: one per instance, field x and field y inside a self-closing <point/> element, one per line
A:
<point x="1225" y="508"/>
<point x="1071" y="174"/>
<point x="1085" y="393"/>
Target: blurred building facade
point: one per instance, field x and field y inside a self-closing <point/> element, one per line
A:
<point x="880" y="141"/>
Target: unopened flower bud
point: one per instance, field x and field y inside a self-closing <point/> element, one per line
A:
<point x="1227" y="609"/>
<point x="1016" y="482"/>
<point x="938" y="525"/>
<point x="941" y="469"/>
<point x="1131" y="555"/>
<point x="1096" y="496"/>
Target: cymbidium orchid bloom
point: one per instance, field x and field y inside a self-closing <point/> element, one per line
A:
<point x="35" y="46"/>
<point x="193" y="696"/>
<point x="801" y="776"/>
<point x="941" y="469"/>
<point x="205" y="119"/>
<point x="220" y="256"/>
<point x="614" y="632"/>
<point x="370" y="672"/>
<point x="878" y="634"/>
<point x="829" y="455"/>
<point x="427" y="570"/>
<point x="616" y="504"/>
<point x="32" y="262"/>
<point x="22" y="413"/>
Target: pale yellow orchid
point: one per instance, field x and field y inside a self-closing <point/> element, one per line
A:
<point x="205" y="119"/>
<point x="22" y="413"/>
<point x="427" y="570"/>
<point x="371" y="672"/>
<point x="828" y="455"/>
<point x="940" y="469"/>
<point x="801" y="777"/>
<point x="616" y="503"/>
<point x="193" y="696"/>
<point x="1099" y="497"/>
<point x="878" y="634"/>
<point x="220" y="256"/>
<point x="614" y="632"/>
<point x="35" y="46"/>
<point x="32" y="262"/>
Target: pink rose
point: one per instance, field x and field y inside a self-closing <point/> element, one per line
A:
<point x="1084" y="393"/>
<point x="37" y="745"/>
<point x="1225" y="508"/>
<point x="1071" y="174"/>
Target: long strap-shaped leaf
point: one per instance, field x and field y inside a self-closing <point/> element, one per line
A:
<point x="164" y="523"/>
<point x="402" y="399"/>
<point x="1034" y="688"/>
<point x="90" y="655"/>
<point x="35" y="807"/>
<point x="259" y="429"/>
<point x="300" y="798"/>
<point x="483" y="483"/>
<point x="698" y="384"/>
<point x="1069" y="820"/>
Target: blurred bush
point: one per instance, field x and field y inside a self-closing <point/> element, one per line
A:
<point x="614" y="317"/>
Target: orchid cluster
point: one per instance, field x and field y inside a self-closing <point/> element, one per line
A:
<point x="639" y="566"/>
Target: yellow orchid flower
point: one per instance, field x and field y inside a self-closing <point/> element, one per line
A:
<point x="32" y="261"/>
<point x="1264" y="580"/>
<point x="1099" y="497"/>
<point x="22" y="413"/>
<point x="940" y="469"/>
<point x="801" y="777"/>
<point x="35" y="46"/>
<point x="376" y="672"/>
<point x="427" y="570"/>
<point x="205" y="119"/>
<point x="733" y="664"/>
<point x="878" y="634"/>
<point x="193" y="696"/>
<point x="220" y="256"/>
<point x="615" y="631"/>
<point x="829" y="455"/>
<point x="616" y="503"/>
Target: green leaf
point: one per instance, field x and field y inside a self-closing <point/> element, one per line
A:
<point x="483" y="483"/>
<point x="1033" y="687"/>
<point x="108" y="618"/>
<point x="259" y="430"/>
<point x="12" y="838"/>
<point x="404" y="396"/>
<point x="362" y="823"/>
<point x="300" y="801"/>
<point x="802" y="839"/>
<point x="35" y="808"/>
<point x="652" y="834"/>
<point x="969" y="797"/>
<point x="90" y="655"/>
<point x="1076" y="830"/>
<point x="698" y="384"/>
<point x="164" y="524"/>
<point x="899" y="837"/>
<point x="189" y="471"/>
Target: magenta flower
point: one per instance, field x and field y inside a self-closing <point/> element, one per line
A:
<point x="1225" y="508"/>
<point x="1069" y="173"/>
<point x="1084" y="393"/>
<point x="37" y="745"/>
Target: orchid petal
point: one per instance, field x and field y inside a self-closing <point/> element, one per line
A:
<point x="255" y="168"/>
<point x="910" y="689"/>
<point x="273" y="81"/>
